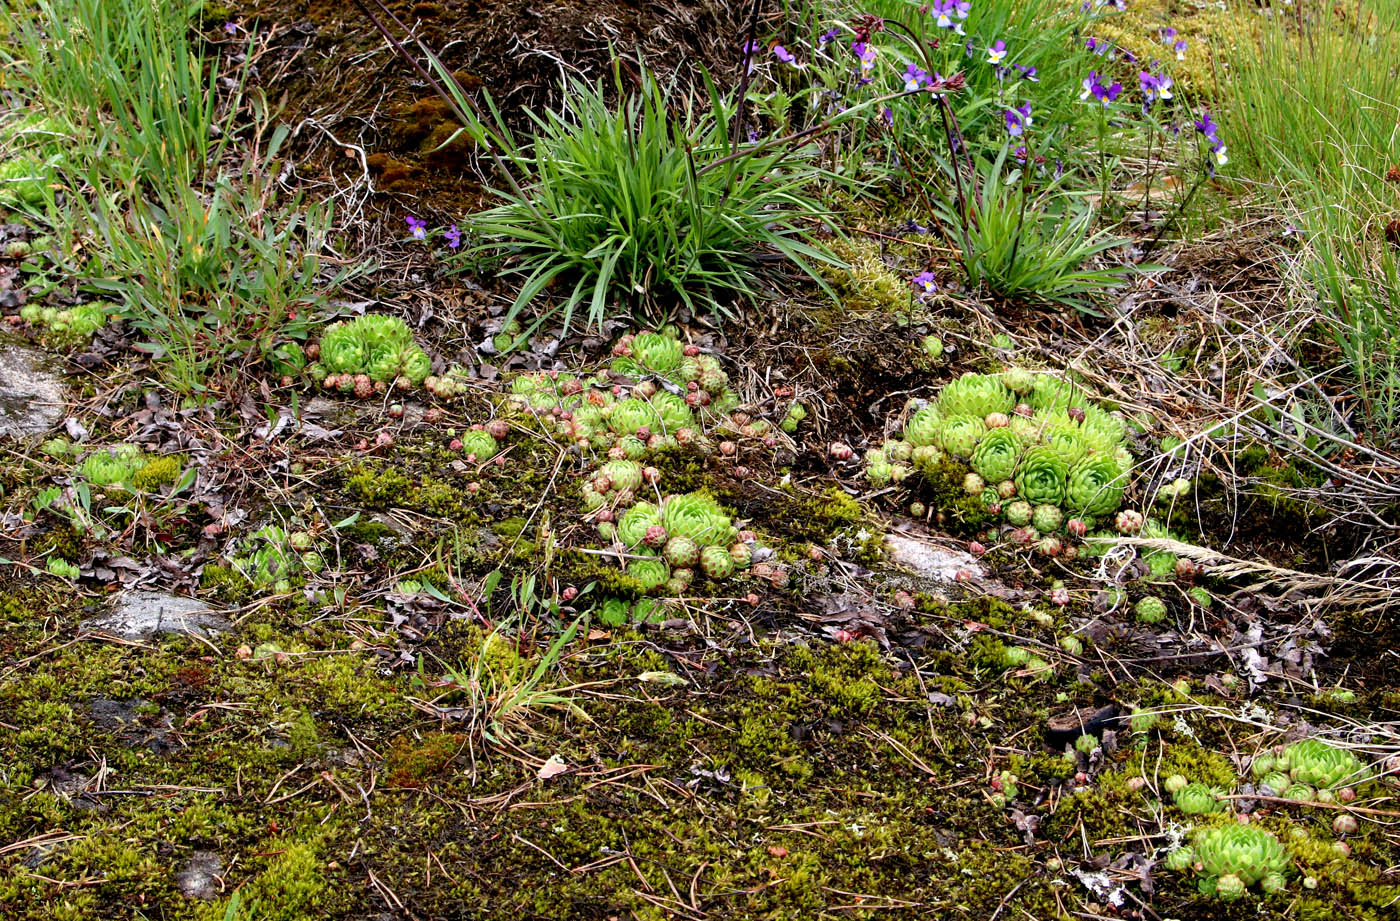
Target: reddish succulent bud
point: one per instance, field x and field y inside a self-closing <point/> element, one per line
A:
<point x="727" y="448"/>
<point x="396" y="411"/>
<point x="644" y="433"/>
<point x="976" y="549"/>
<point x="655" y="536"/>
<point x="741" y="472"/>
<point x="313" y="351"/>
<point x="747" y="537"/>
<point x="455" y="444"/>
<point x="605" y="514"/>
<point x="655" y="442"/>
<point x="645" y="389"/>
<point x="651" y="474"/>
<point x="690" y="351"/>
<point x="498" y="429"/>
<point x="384" y="440"/>
<point x="770" y="442"/>
<point x="844" y="636"/>
<point x="841" y="451"/>
<point x="1076" y="527"/>
<point x="692" y="399"/>
<point x="473" y="486"/>
<point x="568" y="594"/>
<point x="286" y="380"/>
<point x="1024" y="409"/>
<point x="1059" y="596"/>
<point x="617" y="452"/>
<point x="432" y="414"/>
<point x="1075" y="413"/>
<point x="751" y="598"/>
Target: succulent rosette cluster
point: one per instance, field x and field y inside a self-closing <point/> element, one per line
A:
<point x="122" y="468"/>
<point x="271" y="556"/>
<point x="480" y="445"/>
<point x="662" y="355"/>
<point x="1309" y="770"/>
<point x="68" y="326"/>
<point x="1042" y="456"/>
<point x="366" y="355"/>
<point x="1230" y="859"/>
<point x="671" y="542"/>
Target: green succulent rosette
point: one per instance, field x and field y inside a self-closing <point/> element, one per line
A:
<point x="926" y="458"/>
<point x="717" y="562"/>
<point x="1065" y="438"/>
<point x="1197" y="799"/>
<point x="1041" y="477"/>
<point x="656" y="352"/>
<point x="632" y="527"/>
<point x="1104" y="432"/>
<point x="343" y="350"/>
<point x="672" y="411"/>
<point x="1096" y="485"/>
<point x="923" y="427"/>
<point x="698" y="517"/>
<point x="1314" y="762"/>
<point x="1245" y="852"/>
<point x="1017" y="380"/>
<point x="110" y="468"/>
<point x="379" y="346"/>
<point x="1050" y="394"/>
<point x="976" y="395"/>
<point x="628" y="415"/>
<point x="481" y="444"/>
<point x="624" y="474"/>
<point x="1151" y="610"/>
<point x="1047" y="518"/>
<point x="960" y="434"/>
<point x="996" y="455"/>
<point x="652" y="574"/>
<point x="1019" y="513"/>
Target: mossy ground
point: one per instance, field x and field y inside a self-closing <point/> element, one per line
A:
<point x="838" y="749"/>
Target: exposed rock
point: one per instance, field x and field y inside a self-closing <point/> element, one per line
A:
<point x="31" y="395"/>
<point x="143" y="615"/>
<point x="199" y="878"/>
<point x="930" y="561"/>
<point x="126" y="720"/>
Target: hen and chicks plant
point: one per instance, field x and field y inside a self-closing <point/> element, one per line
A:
<point x="1041" y="454"/>
<point x="1229" y="859"/>
<point x="367" y="354"/>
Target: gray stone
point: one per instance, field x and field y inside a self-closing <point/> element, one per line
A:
<point x="143" y="615"/>
<point x="31" y="395"/>
<point x="930" y="561"/>
<point x="199" y="878"/>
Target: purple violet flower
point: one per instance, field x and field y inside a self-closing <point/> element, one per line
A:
<point x="914" y="77"/>
<point x="453" y="236"/>
<point x="782" y="54"/>
<point x="997" y="53"/>
<point x="924" y="283"/>
<point x="417" y="228"/>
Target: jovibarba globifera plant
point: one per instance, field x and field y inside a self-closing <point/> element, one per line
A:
<point x="365" y="355"/>
<point x="67" y="327"/>
<point x="1041" y="454"/>
<point x="125" y="467"/>
<point x="1309" y="770"/>
<point x="272" y="556"/>
<point x="1228" y="860"/>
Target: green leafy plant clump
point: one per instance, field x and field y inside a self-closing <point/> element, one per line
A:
<point x="1229" y="859"/>
<point x="373" y="347"/>
<point x="644" y="204"/>
<point x="1041" y="455"/>
<point x="1309" y="768"/>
